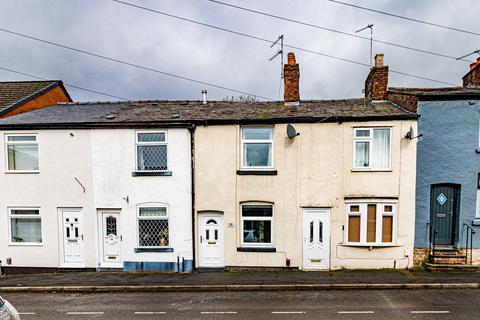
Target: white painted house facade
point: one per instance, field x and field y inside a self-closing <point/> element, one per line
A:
<point x="94" y="197"/>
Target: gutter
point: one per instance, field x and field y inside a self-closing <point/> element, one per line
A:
<point x="211" y="122"/>
<point x="191" y="129"/>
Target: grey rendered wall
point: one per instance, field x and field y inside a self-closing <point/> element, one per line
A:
<point x="447" y="154"/>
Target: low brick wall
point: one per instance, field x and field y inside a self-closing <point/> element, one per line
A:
<point x="421" y="254"/>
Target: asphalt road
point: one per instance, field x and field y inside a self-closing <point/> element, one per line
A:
<point x="341" y="304"/>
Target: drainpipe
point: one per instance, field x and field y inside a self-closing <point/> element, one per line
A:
<point x="191" y="129"/>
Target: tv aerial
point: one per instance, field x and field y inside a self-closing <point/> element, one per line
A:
<point x="469" y="54"/>
<point x="369" y="26"/>
<point x="279" y="52"/>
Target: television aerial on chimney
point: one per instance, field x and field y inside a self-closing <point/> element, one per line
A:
<point x="279" y="52"/>
<point x="369" y="26"/>
<point x="469" y="54"/>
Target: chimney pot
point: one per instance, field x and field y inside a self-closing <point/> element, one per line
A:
<point x="473" y="65"/>
<point x="291" y="58"/>
<point x="379" y="60"/>
<point x="291" y="80"/>
<point x="204" y="94"/>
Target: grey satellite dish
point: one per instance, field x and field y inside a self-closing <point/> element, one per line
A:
<point x="291" y="132"/>
<point x="411" y="134"/>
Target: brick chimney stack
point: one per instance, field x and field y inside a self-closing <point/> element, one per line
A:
<point x="377" y="80"/>
<point x="472" y="78"/>
<point x="291" y="79"/>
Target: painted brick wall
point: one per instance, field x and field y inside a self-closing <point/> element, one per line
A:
<point x="446" y="154"/>
<point x="49" y="98"/>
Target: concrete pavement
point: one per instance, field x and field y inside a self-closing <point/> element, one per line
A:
<point x="345" y="304"/>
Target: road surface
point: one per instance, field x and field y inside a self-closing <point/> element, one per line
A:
<point x="340" y="304"/>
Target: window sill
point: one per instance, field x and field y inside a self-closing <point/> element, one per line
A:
<point x="256" y="249"/>
<point x="370" y="245"/>
<point x="267" y="172"/>
<point x="371" y="170"/>
<point x="26" y="244"/>
<point x="151" y="173"/>
<point x="476" y="222"/>
<point x="166" y="249"/>
<point x="22" y="172"/>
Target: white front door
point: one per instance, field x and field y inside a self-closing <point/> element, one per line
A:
<point x="72" y="234"/>
<point x="111" y="238"/>
<point x="211" y="241"/>
<point x="316" y="239"/>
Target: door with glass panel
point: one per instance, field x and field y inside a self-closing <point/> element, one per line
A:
<point x="316" y="239"/>
<point x="211" y="241"/>
<point x="111" y="238"/>
<point x="72" y="233"/>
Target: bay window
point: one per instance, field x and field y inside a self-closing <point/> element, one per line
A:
<point x="257" y="224"/>
<point x="372" y="148"/>
<point x="370" y="223"/>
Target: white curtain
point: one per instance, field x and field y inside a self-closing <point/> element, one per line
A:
<point x="381" y="149"/>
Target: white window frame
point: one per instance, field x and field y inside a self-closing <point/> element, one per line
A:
<point x="7" y="143"/>
<point x="271" y="219"/>
<point x="167" y="217"/>
<point x="369" y="139"/>
<point x="363" y="204"/>
<point x="36" y="216"/>
<point x="256" y="141"/>
<point x="154" y="143"/>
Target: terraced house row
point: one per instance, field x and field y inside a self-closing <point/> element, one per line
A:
<point x="385" y="181"/>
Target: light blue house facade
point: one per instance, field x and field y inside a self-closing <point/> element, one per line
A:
<point x="448" y="169"/>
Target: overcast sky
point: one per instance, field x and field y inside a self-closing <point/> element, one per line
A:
<point x="155" y="41"/>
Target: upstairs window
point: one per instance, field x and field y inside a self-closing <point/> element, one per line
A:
<point x="370" y="223"/>
<point x="372" y="148"/>
<point x="257" y="148"/>
<point x="257" y="220"/>
<point x="152" y="151"/>
<point x="22" y="152"/>
<point x="25" y="226"/>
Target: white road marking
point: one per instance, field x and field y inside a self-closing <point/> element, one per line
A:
<point x="26" y="313"/>
<point x="432" y="311"/>
<point x="288" y="312"/>
<point x="84" y="312"/>
<point x="218" y="312"/>
<point x="354" y="312"/>
<point x="149" y="312"/>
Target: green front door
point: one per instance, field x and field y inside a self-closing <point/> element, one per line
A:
<point x="443" y="213"/>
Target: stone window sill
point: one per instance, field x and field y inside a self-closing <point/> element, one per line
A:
<point x="151" y="173"/>
<point x="256" y="249"/>
<point x="166" y="249"/>
<point x="257" y="172"/>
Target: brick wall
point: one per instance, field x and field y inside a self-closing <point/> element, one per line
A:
<point x="405" y="101"/>
<point x="472" y="78"/>
<point x="291" y="79"/>
<point x="376" y="83"/>
<point x="46" y="99"/>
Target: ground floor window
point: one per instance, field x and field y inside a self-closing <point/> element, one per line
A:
<point x="257" y="221"/>
<point x="153" y="227"/>
<point x="370" y="223"/>
<point x="25" y="225"/>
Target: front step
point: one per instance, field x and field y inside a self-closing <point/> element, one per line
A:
<point x="433" y="267"/>
<point x="447" y="256"/>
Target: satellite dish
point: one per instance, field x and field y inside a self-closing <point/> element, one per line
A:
<point x="291" y="131"/>
<point x="410" y="134"/>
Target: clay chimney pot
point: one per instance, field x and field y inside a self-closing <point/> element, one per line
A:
<point x="291" y="58"/>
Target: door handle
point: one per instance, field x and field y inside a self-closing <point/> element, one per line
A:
<point x="82" y="237"/>
<point x="201" y="239"/>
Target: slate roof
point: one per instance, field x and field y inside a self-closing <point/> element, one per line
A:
<point x="15" y="93"/>
<point x="436" y="92"/>
<point x="214" y="112"/>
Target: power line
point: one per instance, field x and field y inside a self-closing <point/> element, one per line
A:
<point x="353" y="35"/>
<point x="66" y="84"/>
<point x="405" y="18"/>
<point x="270" y="42"/>
<point x="132" y="64"/>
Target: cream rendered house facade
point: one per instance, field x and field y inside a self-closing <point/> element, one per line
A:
<point x="340" y="194"/>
